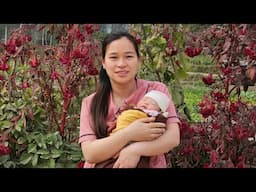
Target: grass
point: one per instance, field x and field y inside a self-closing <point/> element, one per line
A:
<point x="194" y="94"/>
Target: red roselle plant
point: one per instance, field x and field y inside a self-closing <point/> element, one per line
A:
<point x="164" y="56"/>
<point x="226" y="136"/>
<point x="50" y="75"/>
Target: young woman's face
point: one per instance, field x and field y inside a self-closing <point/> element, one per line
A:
<point x="148" y="103"/>
<point x="121" y="61"/>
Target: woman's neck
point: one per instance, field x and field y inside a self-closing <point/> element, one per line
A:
<point x="121" y="92"/>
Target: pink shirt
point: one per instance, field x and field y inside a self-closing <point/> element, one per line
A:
<point x="143" y="86"/>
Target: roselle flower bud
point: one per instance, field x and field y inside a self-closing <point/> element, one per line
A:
<point x="177" y="62"/>
<point x="171" y="49"/>
<point x="84" y="51"/>
<point x="192" y="52"/>
<point x="92" y="71"/>
<point x="216" y="126"/>
<point x="218" y="96"/>
<point x="226" y="70"/>
<point x="138" y="40"/>
<point x="79" y="35"/>
<point x="4" y="150"/>
<point x="25" y="85"/>
<point x="34" y="62"/>
<point x="27" y="38"/>
<point x="18" y="42"/>
<point x="234" y="107"/>
<point x="68" y="94"/>
<point x="208" y="80"/>
<point x="11" y="47"/>
<point x="214" y="156"/>
<point x="207" y="110"/>
<point x="242" y="31"/>
<point x="4" y="67"/>
<point x="184" y="125"/>
<point x="65" y="60"/>
<point x="187" y="150"/>
<point x="166" y="34"/>
<point x="247" y="51"/>
<point x="2" y="78"/>
<point x="89" y="28"/>
<point x="54" y="75"/>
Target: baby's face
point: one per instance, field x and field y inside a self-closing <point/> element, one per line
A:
<point x="148" y="103"/>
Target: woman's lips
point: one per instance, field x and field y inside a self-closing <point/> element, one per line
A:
<point x="122" y="73"/>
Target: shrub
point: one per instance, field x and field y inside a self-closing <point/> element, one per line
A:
<point x="226" y="136"/>
<point x="39" y="83"/>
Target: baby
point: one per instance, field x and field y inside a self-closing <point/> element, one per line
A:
<point x="154" y="103"/>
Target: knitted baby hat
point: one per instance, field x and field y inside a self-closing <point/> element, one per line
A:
<point x="161" y="99"/>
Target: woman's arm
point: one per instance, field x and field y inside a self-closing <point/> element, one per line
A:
<point x="140" y="130"/>
<point x="130" y="155"/>
<point x="101" y="149"/>
<point x="161" y="145"/>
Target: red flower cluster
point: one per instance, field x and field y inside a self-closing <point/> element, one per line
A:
<point x="208" y="80"/>
<point x="4" y="150"/>
<point x="34" y="62"/>
<point x="251" y="51"/>
<point x="172" y="49"/>
<point x="192" y="52"/>
<point x="207" y="107"/>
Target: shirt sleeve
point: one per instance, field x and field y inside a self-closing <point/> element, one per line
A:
<point x="86" y="130"/>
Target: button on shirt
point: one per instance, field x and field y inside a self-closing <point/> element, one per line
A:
<point x="143" y="86"/>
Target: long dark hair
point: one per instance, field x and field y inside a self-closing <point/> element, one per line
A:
<point x="100" y="101"/>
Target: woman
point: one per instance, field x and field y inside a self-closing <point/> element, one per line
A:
<point x="118" y="88"/>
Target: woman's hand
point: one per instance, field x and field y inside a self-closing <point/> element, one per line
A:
<point x="127" y="158"/>
<point x="145" y="129"/>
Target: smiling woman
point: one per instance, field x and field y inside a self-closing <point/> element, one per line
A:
<point x="118" y="88"/>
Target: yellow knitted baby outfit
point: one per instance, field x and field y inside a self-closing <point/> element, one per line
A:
<point x="127" y="117"/>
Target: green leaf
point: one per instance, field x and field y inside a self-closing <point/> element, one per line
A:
<point x="21" y="140"/>
<point x="35" y="160"/>
<point x="161" y="42"/>
<point x="56" y="153"/>
<point x="45" y="156"/>
<point x="3" y="159"/>
<point x="59" y="165"/>
<point x="58" y="144"/>
<point x="42" y="152"/>
<point x="177" y="95"/>
<point x="3" y="107"/>
<point x="19" y="125"/>
<point x="51" y="163"/>
<point x="11" y="107"/>
<point x="9" y="164"/>
<point x="3" y="117"/>
<point x="181" y="73"/>
<point x="76" y="157"/>
<point x="32" y="148"/>
<point x="20" y="103"/>
<point x="25" y="158"/>
<point x="38" y="141"/>
<point x="5" y="124"/>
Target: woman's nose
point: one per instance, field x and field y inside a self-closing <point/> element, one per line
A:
<point x="121" y="62"/>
